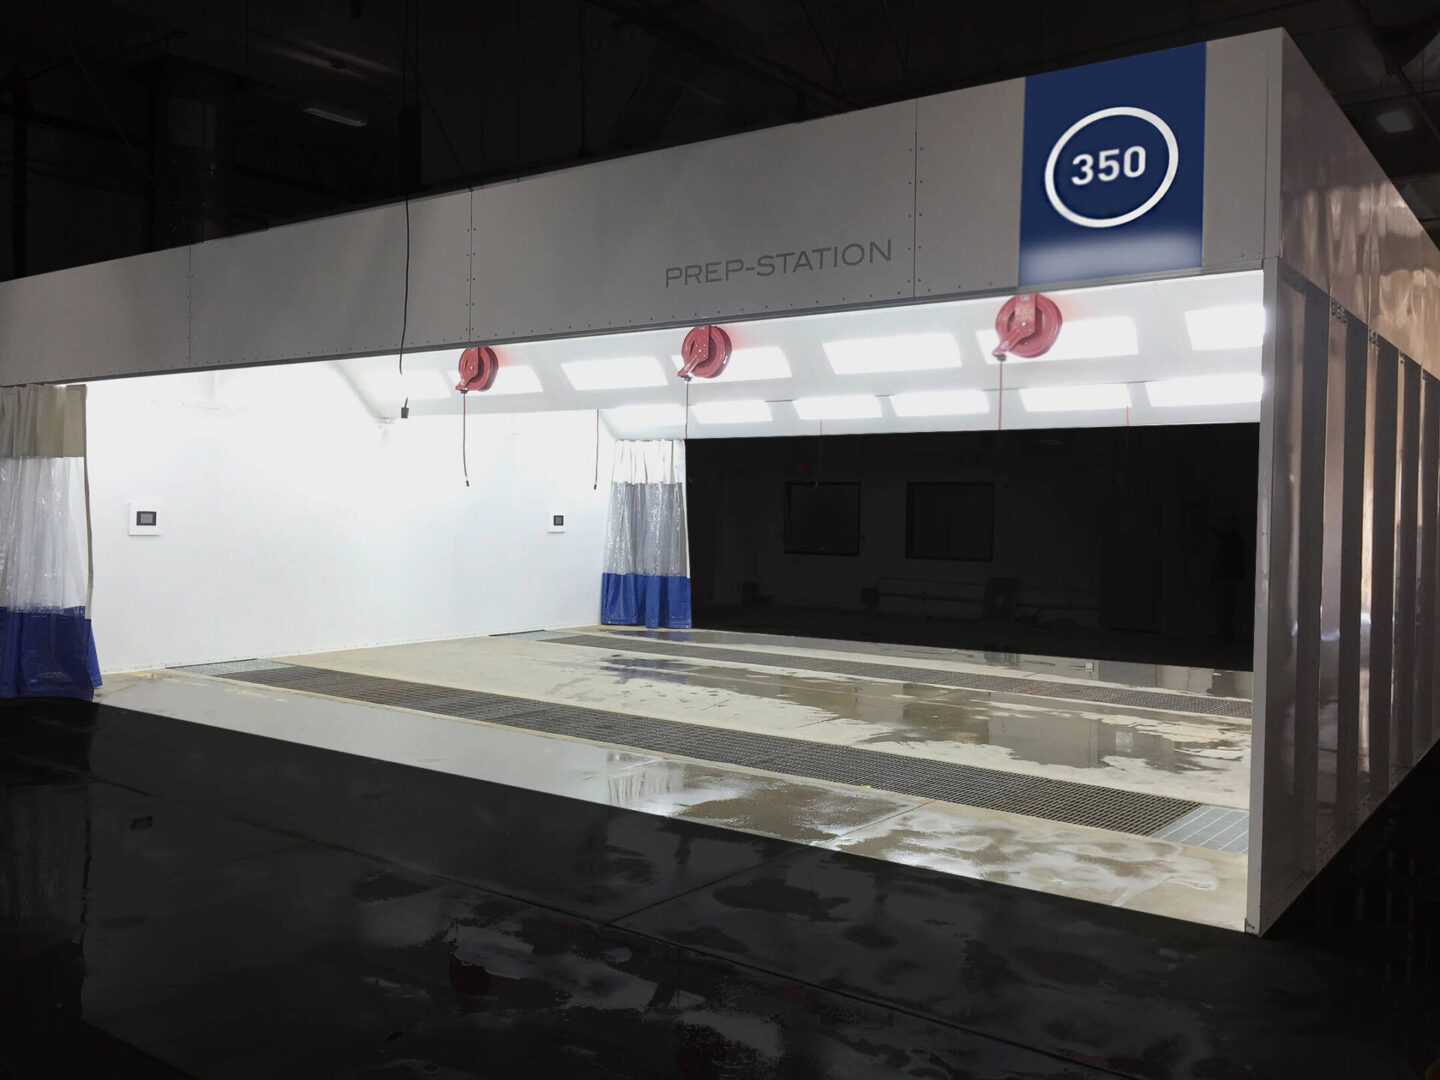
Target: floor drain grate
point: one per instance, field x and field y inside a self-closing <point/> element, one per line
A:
<point x="961" y="680"/>
<point x="1057" y="800"/>
<point x="229" y="667"/>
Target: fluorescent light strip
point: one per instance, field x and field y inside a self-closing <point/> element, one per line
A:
<point x="1237" y="389"/>
<point x="731" y="412"/>
<point x="904" y="352"/>
<point x="1093" y="398"/>
<point x="663" y="414"/>
<point x="940" y="403"/>
<point x="620" y="373"/>
<point x="1080" y="339"/>
<point x="1228" y="326"/>
<point x="421" y="384"/>
<point x="749" y="365"/>
<point x="515" y="380"/>
<point x="844" y="407"/>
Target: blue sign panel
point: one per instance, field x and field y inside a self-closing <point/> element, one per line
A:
<point x="1114" y="168"/>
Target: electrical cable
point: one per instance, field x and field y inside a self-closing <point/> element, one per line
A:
<point x="464" y="447"/>
<point x="405" y="308"/>
<point x="687" y="410"/>
<point x="596" y="486"/>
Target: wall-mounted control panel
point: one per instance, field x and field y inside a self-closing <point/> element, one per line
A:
<point x="557" y="523"/>
<point x="144" y="517"/>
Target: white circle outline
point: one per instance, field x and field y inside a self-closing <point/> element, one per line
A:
<point x="1144" y="208"/>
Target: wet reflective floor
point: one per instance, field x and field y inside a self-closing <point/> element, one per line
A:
<point x="1143" y="873"/>
<point x="1205" y="758"/>
<point x="178" y="898"/>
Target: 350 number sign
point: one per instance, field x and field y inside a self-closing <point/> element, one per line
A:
<point x="1111" y="164"/>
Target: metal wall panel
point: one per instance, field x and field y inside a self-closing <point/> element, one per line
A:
<point x="109" y="318"/>
<point x="1346" y="227"/>
<point x="1407" y="480"/>
<point x="333" y="287"/>
<point x="1238" y="194"/>
<point x="745" y="225"/>
<point x="1347" y="660"/>
<point x="1282" y="762"/>
<point x="1425" y="580"/>
<point x="1328" y="187"/>
<point x="1407" y="284"/>
<point x="1345" y="468"/>
<point x="1382" y="441"/>
<point x="985" y="253"/>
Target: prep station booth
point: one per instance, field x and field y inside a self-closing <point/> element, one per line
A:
<point x="1189" y="237"/>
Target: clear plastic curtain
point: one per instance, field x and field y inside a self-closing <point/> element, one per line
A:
<point x="646" y="571"/>
<point x="47" y="648"/>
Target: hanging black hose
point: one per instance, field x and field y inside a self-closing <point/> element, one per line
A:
<point x="464" y="448"/>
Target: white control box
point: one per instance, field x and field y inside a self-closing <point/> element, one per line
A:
<point x="144" y="517"/>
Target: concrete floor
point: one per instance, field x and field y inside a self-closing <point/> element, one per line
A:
<point x="1182" y="755"/>
<point x="180" y="899"/>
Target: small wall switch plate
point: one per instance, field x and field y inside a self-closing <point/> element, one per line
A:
<point x="144" y="517"/>
<point x="557" y="523"/>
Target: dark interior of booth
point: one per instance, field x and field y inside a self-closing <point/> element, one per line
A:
<point x="1110" y="543"/>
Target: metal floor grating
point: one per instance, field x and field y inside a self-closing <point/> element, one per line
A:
<point x="961" y="680"/>
<point x="991" y="789"/>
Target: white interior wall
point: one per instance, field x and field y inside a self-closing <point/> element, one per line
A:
<point x="293" y="520"/>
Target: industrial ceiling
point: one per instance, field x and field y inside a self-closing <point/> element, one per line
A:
<point x="143" y="124"/>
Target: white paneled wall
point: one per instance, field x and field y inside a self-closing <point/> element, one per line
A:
<point x="292" y="520"/>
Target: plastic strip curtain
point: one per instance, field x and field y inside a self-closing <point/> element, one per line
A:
<point x="47" y="648"/>
<point x="646" y="572"/>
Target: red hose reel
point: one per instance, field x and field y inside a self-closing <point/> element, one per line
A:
<point x="706" y="352"/>
<point x="1027" y="325"/>
<point x="478" y="366"/>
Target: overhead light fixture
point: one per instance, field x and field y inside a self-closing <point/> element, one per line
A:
<point x="1228" y="326"/>
<point x="940" y="403"/>
<point x="516" y="379"/>
<point x="750" y="364"/>
<point x="1095" y="397"/>
<point x="1080" y="339"/>
<point x="663" y="414"/>
<point x="337" y="114"/>
<point x="619" y="373"/>
<point x="1395" y="120"/>
<point x="731" y="412"/>
<point x="1236" y="389"/>
<point x="902" y="352"/>
<point x="844" y="407"/>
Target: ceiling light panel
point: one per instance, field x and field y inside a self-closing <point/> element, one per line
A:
<point x="1239" y="389"/>
<point x="731" y="412"/>
<point x="619" y="373"/>
<point x="1228" y="326"/>
<point x="750" y="364"/>
<point x="1093" y="398"/>
<point x="844" y="407"/>
<point x="940" y="403"/>
<point x="516" y="379"/>
<point x="642" y="416"/>
<point x="424" y="384"/>
<point x="1080" y="339"/>
<point x="904" y="352"/>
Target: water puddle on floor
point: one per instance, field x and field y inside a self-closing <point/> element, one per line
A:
<point x="926" y="718"/>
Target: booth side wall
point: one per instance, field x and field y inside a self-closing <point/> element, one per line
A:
<point x="1347" y="649"/>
